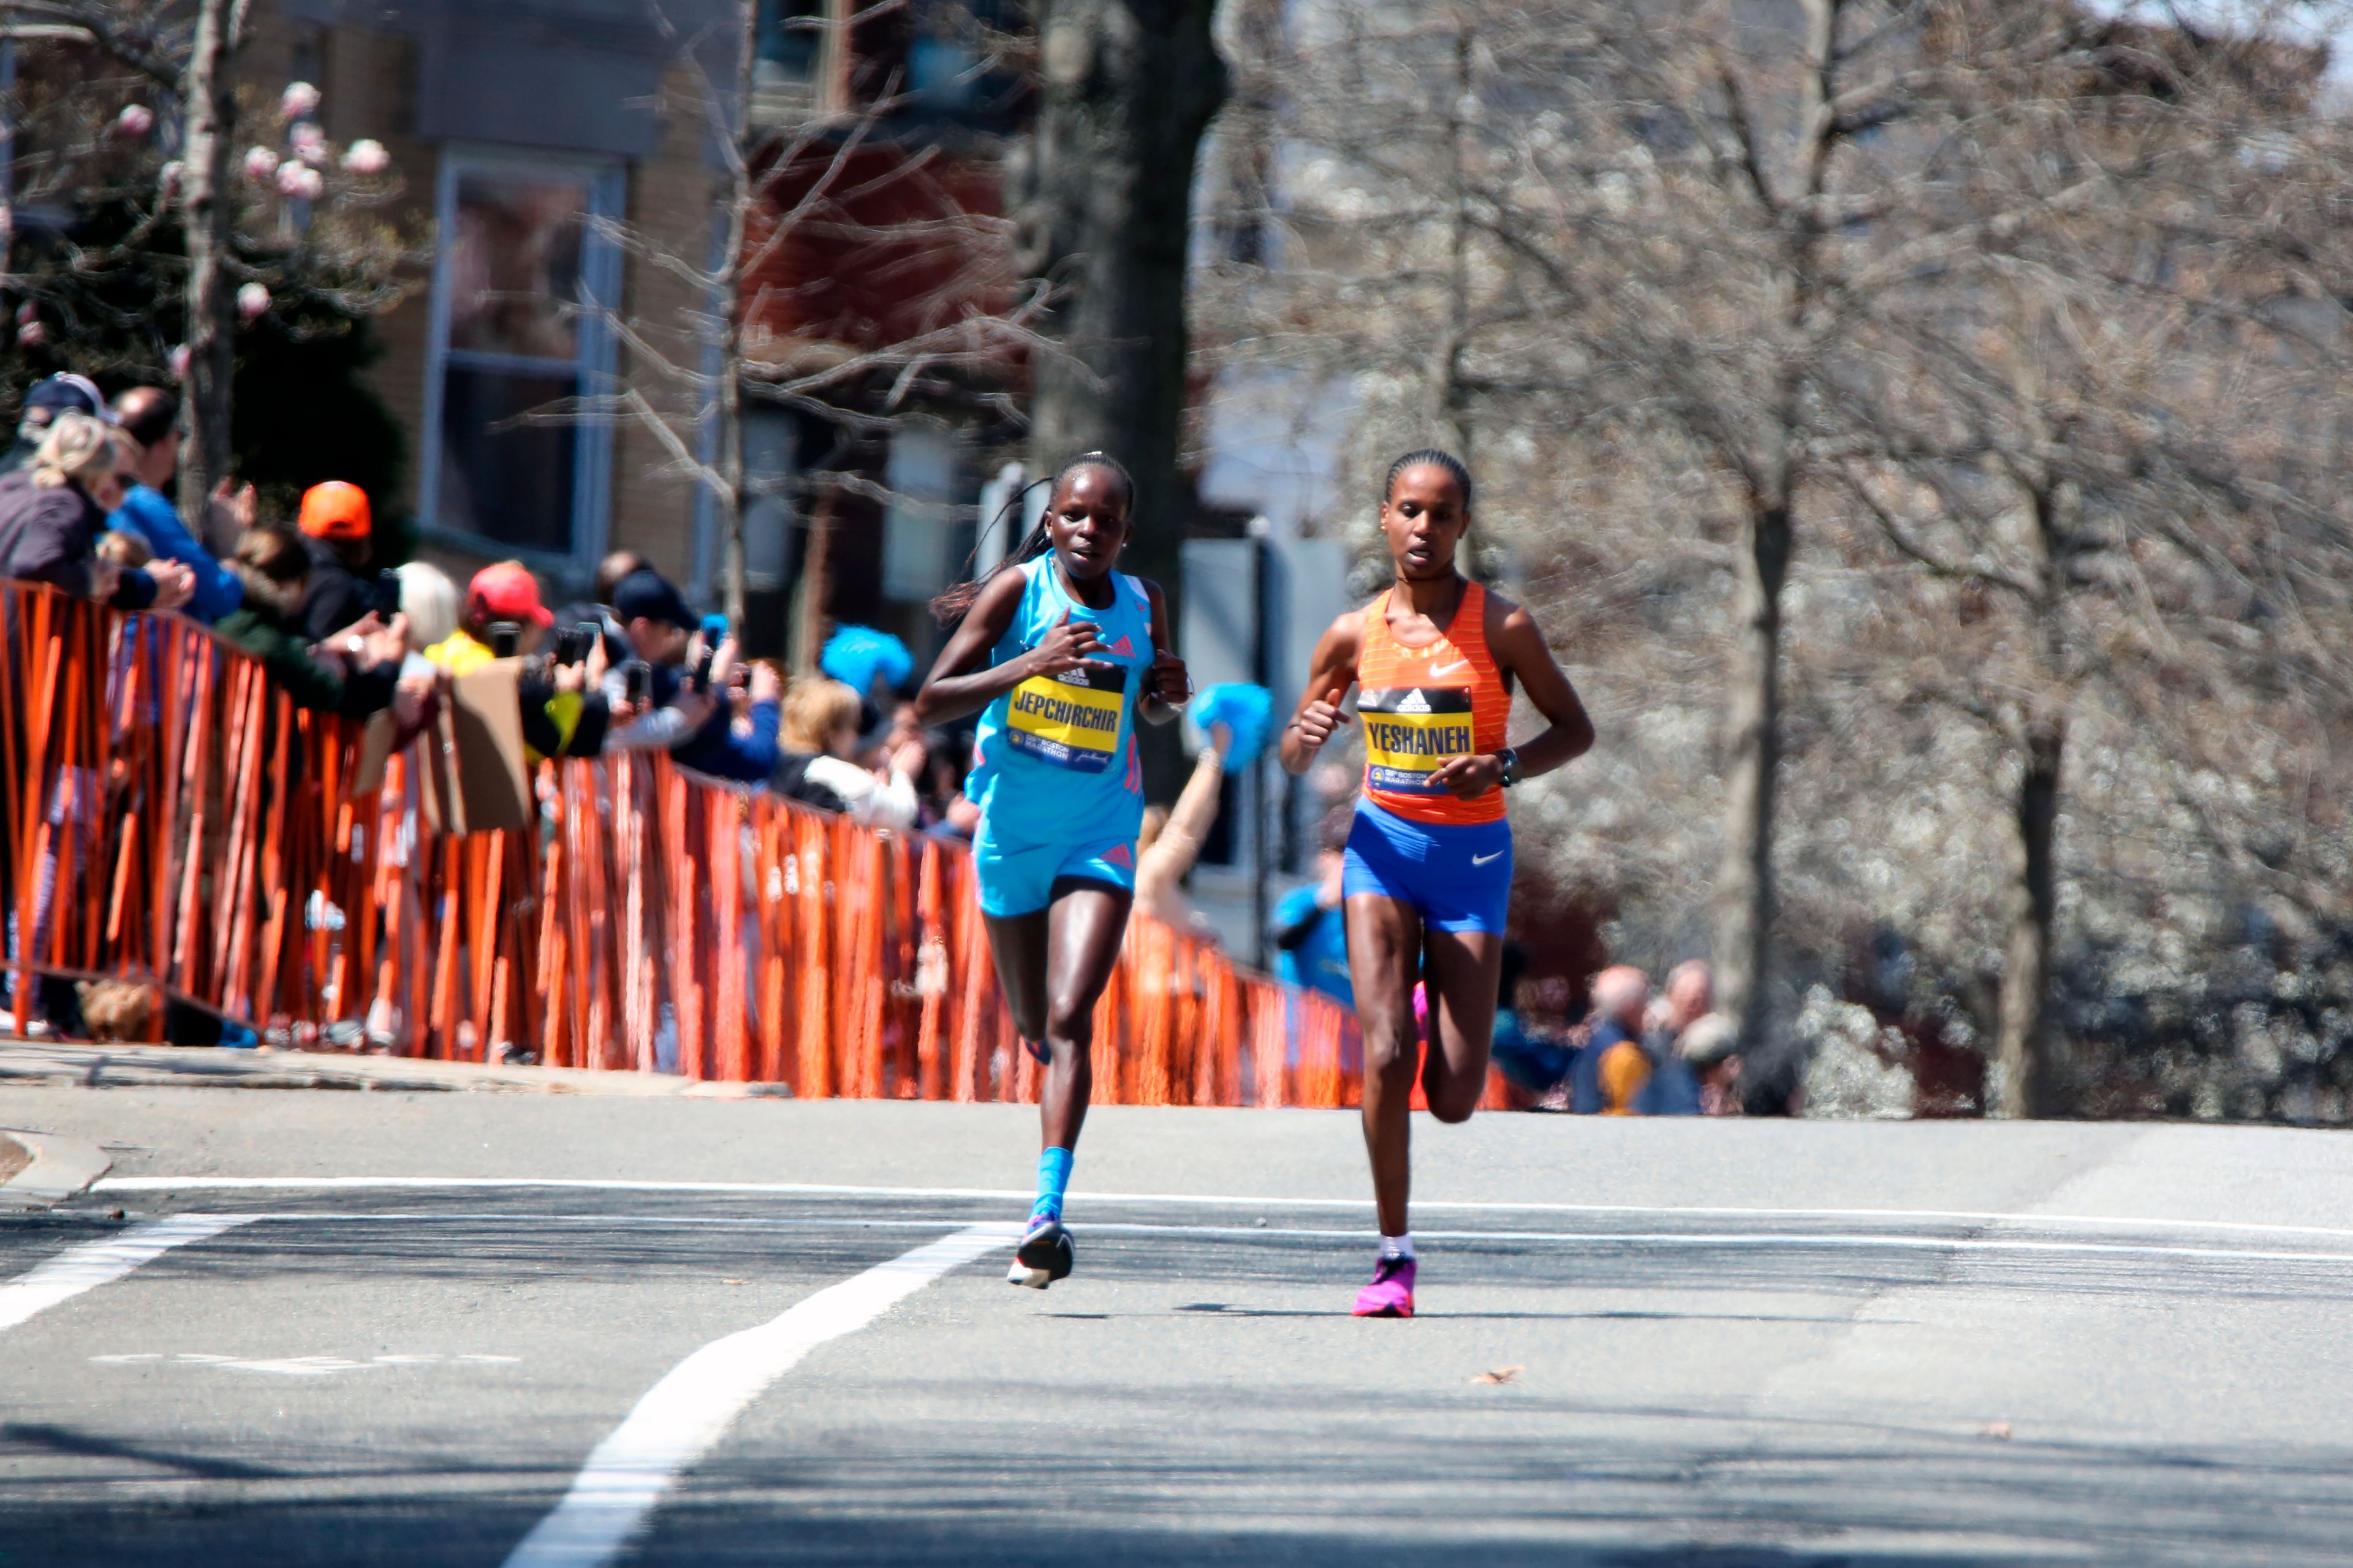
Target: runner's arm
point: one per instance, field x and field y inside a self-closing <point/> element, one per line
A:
<point x="1520" y="650"/>
<point x="1329" y="675"/>
<point x="964" y="681"/>
<point x="1170" y="686"/>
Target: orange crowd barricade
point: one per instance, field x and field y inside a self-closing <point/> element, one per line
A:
<point x="168" y="816"/>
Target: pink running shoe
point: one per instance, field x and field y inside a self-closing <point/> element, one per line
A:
<point x="1391" y="1295"/>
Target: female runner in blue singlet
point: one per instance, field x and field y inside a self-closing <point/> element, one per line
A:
<point x="1062" y="654"/>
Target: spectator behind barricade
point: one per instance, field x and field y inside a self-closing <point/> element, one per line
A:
<point x="354" y="673"/>
<point x="1529" y="1057"/>
<point x="598" y="608"/>
<point x="336" y="525"/>
<point x="430" y="601"/>
<point x="942" y="809"/>
<point x="791" y="778"/>
<point x="53" y="513"/>
<point x="872" y="664"/>
<point x="127" y="550"/>
<point x="655" y="629"/>
<point x="1310" y="931"/>
<point x="1710" y="1051"/>
<point x="64" y="392"/>
<point x="1612" y="1068"/>
<point x="1688" y="994"/>
<point x="430" y="605"/>
<point x="149" y="416"/>
<point x="563" y="712"/>
<point x="738" y="741"/>
<point x="1169" y="842"/>
<point x="695" y="721"/>
<point x="821" y="724"/>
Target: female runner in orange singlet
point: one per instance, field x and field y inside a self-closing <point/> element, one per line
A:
<point x="1428" y="871"/>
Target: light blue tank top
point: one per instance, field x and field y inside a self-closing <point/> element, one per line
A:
<point x="1054" y="759"/>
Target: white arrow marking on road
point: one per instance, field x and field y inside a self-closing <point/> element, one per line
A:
<point x="681" y="1417"/>
<point x="96" y="1263"/>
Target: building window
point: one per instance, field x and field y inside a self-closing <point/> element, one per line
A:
<point x="920" y="531"/>
<point x="791" y="45"/>
<point x="517" y="334"/>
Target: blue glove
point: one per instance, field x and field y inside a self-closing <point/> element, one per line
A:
<point x="855" y="654"/>
<point x="1247" y="710"/>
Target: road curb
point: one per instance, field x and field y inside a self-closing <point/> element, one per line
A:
<point x="62" y="1066"/>
<point x="59" y="1168"/>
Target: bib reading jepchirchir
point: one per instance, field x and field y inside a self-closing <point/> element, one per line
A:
<point x="1411" y="731"/>
<point x="1071" y="719"/>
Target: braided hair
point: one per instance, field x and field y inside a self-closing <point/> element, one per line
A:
<point x="1435" y="459"/>
<point x="953" y="605"/>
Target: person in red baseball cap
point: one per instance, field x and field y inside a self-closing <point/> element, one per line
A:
<point x="336" y="532"/>
<point x="564" y="713"/>
<point x="506" y="591"/>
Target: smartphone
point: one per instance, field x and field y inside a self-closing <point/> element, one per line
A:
<point x="384" y="598"/>
<point x="637" y="681"/>
<point x="572" y="646"/>
<point x="506" y="639"/>
<point x="715" y="632"/>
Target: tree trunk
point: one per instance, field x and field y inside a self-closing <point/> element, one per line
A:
<point x="1743" y="884"/>
<point x="1103" y="203"/>
<point x="209" y="212"/>
<point x="729" y="286"/>
<point x="814" y="587"/>
<point x="2022" y="1040"/>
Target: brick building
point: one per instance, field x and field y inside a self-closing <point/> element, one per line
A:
<point x="517" y="125"/>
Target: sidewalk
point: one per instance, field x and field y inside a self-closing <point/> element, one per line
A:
<point x="212" y="1067"/>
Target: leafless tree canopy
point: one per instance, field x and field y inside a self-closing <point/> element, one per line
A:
<point x="1919" y="424"/>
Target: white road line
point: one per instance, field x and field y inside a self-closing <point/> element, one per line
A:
<point x="1208" y="1200"/>
<point x="681" y="1417"/>
<point x="1084" y="1227"/>
<point x="96" y="1263"/>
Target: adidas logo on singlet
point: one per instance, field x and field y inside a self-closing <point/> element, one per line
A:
<point x="1412" y="703"/>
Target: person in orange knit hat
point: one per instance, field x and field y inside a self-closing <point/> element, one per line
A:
<point x="336" y="528"/>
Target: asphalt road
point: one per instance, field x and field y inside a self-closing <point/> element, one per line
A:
<point x="1737" y="1345"/>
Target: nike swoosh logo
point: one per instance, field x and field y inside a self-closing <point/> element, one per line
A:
<point x="1482" y="859"/>
<point x="1459" y="666"/>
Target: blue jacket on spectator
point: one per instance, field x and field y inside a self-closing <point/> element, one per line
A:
<point x="146" y="514"/>
<point x="1585" y="1075"/>
<point x="717" y="750"/>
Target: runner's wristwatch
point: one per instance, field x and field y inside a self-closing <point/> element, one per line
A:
<point x="1510" y="757"/>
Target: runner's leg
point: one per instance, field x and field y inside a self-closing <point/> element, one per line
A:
<point x="1384" y="963"/>
<point x="1465" y="968"/>
<point x="1018" y="944"/>
<point x="1087" y="921"/>
<point x="1085" y="924"/>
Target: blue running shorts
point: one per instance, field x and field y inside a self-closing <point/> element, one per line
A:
<point x="1457" y="877"/>
<point x="1019" y="879"/>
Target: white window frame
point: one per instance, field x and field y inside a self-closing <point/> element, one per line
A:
<point x="600" y="279"/>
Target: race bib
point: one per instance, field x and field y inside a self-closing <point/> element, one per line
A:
<point x="1071" y="719"/>
<point x="1411" y="731"/>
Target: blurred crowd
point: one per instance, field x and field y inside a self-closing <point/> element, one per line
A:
<point x="1635" y="1052"/>
<point x="84" y="506"/>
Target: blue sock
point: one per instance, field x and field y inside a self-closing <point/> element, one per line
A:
<point x="1053" y="1179"/>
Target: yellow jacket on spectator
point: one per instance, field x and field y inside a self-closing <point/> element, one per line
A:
<point x="552" y="723"/>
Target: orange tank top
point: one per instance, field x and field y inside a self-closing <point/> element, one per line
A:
<point x="1423" y="706"/>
